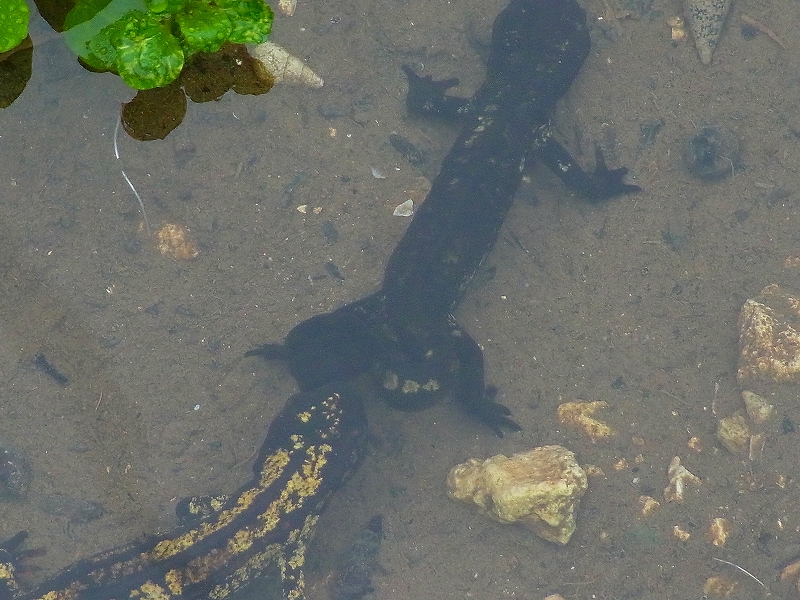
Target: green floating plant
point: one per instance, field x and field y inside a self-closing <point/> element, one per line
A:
<point x="204" y="28"/>
<point x="148" y="41"/>
<point x="14" y="16"/>
<point x="251" y="20"/>
<point x="147" y="54"/>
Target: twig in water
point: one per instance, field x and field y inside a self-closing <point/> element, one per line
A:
<point x="133" y="189"/>
<point x="745" y="571"/>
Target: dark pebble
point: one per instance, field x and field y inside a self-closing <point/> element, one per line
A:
<point x="184" y="154"/>
<point x="75" y="510"/>
<point x="331" y="111"/>
<point x="110" y="341"/>
<point x="648" y="131"/>
<point x="741" y="215"/>
<point x="185" y="311"/>
<point x="329" y="231"/>
<point x="749" y="31"/>
<point x="712" y="153"/>
<point x="414" y="155"/>
<point x="332" y="270"/>
<point x="132" y="244"/>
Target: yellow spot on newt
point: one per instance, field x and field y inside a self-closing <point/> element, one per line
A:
<point x="151" y="591"/>
<point x="173" y="580"/>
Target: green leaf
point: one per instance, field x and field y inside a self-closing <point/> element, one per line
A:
<point x="137" y="38"/>
<point x="88" y="25"/>
<point x="148" y="55"/>
<point x="100" y="53"/>
<point x="169" y="7"/>
<point x="251" y="19"/>
<point x="83" y="11"/>
<point x="204" y="28"/>
<point x="14" y="15"/>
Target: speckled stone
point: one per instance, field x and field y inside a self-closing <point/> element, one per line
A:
<point x="706" y="19"/>
<point x="769" y="339"/>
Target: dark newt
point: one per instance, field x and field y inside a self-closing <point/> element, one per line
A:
<point x="311" y="448"/>
<point x="405" y="332"/>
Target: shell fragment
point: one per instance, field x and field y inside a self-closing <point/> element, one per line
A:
<point x="679" y="477"/>
<point x="284" y="67"/>
<point x="706" y="18"/>
<point x="404" y="209"/>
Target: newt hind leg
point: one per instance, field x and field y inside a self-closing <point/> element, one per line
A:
<point x="446" y="360"/>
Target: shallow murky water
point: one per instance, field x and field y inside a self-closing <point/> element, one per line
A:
<point x="634" y="302"/>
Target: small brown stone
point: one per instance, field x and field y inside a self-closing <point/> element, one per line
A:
<point x="174" y="240"/>
<point x="719" y="587"/>
<point x="580" y="415"/>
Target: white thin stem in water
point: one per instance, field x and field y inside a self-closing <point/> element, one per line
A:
<point x="127" y="179"/>
<point x="745" y="571"/>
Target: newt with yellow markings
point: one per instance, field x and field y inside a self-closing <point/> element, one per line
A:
<point x="311" y="448"/>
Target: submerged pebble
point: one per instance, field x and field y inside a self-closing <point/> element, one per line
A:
<point x="404" y="209"/>
<point x="712" y="153"/>
<point x="332" y="110"/>
<point x="413" y="154"/>
<point x="15" y="474"/>
<point x="75" y="510"/>
<point x="539" y="488"/>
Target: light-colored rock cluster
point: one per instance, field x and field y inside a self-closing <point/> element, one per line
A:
<point x="539" y="488"/>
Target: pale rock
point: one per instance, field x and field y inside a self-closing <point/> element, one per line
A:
<point x="539" y="488"/>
